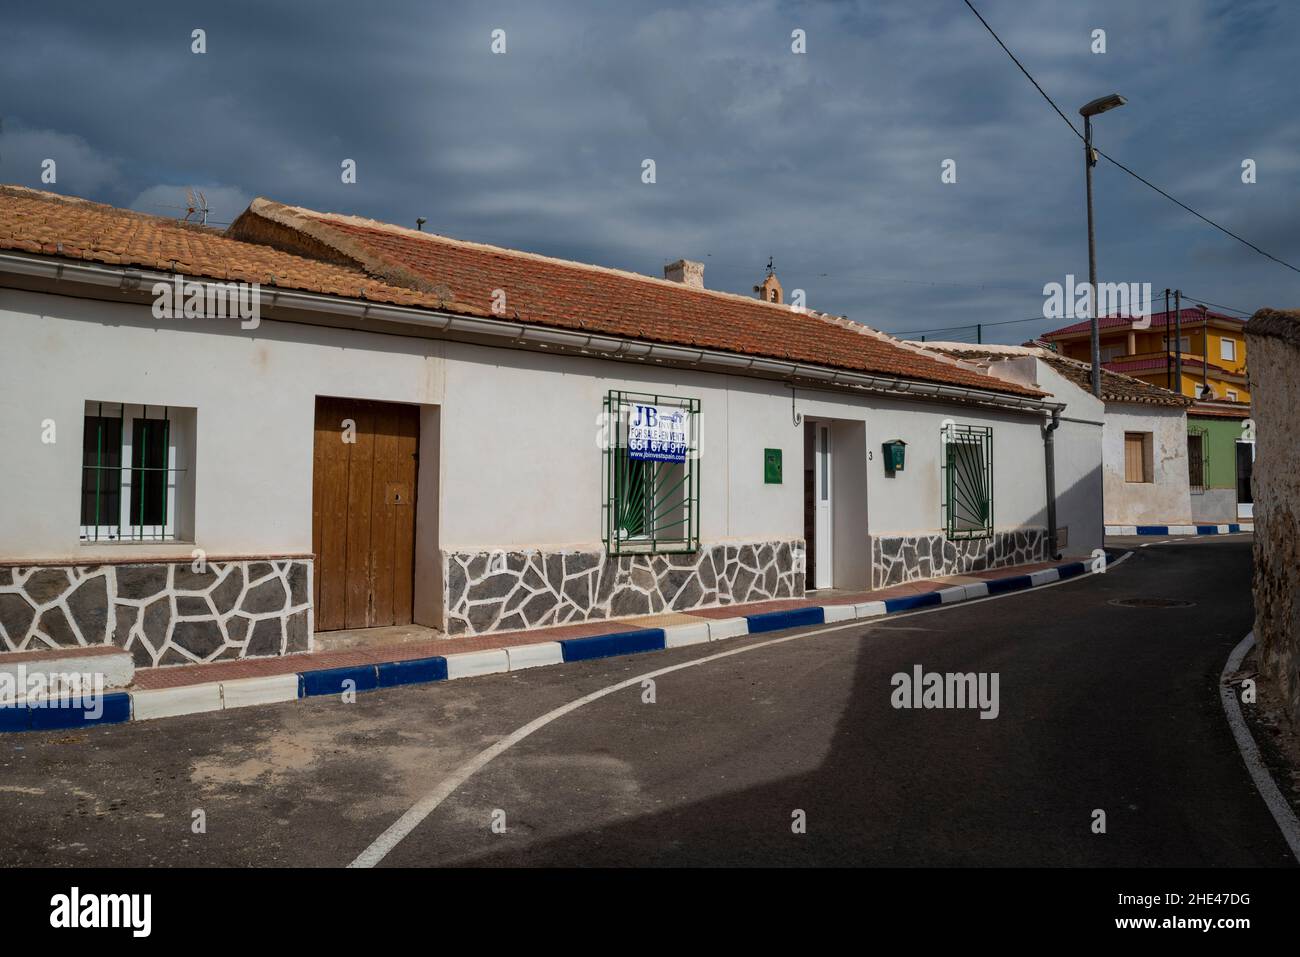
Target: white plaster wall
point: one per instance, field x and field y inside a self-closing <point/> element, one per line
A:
<point x="254" y="391"/>
<point x="1167" y="500"/>
<point x="522" y="464"/>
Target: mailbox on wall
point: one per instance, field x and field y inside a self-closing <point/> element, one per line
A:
<point x="894" y="452"/>
<point x="772" y="466"/>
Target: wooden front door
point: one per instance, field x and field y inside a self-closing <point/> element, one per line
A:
<point x="363" y="512"/>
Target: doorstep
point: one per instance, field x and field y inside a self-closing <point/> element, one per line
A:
<point x="406" y="659"/>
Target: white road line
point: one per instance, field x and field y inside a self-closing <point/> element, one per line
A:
<point x="408" y="822"/>
<point x="1264" y="783"/>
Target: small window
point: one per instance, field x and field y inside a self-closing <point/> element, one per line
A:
<point x="968" y="481"/>
<point x="651" y="449"/>
<point x="135" y="479"/>
<point x="1139" y="458"/>
<point x="1232" y="396"/>
<point x="1228" y="350"/>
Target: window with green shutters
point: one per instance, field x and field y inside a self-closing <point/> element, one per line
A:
<point x="968" y="481"/>
<point x="649" y="506"/>
<point x="134" y="483"/>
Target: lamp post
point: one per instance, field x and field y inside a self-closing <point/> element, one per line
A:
<point x="1088" y="111"/>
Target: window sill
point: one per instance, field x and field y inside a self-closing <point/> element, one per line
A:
<point x="146" y="543"/>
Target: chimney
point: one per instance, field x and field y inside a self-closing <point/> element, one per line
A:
<point x="770" y="290"/>
<point x="686" y="272"/>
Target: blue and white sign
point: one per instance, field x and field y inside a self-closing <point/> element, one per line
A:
<point x="658" y="433"/>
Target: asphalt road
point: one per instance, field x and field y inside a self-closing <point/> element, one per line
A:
<point x="1101" y="707"/>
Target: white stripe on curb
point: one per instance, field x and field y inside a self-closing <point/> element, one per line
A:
<point x="271" y="689"/>
<point x="834" y="613"/>
<point x="1264" y="783"/>
<point x="676" y="636"/>
<point x="727" y="628"/>
<point x="186" y="699"/>
<point x="536" y="655"/>
<point x="470" y="664"/>
<point x="869" y="609"/>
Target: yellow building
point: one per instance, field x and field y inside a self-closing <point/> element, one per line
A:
<point x="1213" y="351"/>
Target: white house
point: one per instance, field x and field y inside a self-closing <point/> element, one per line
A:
<point x="1078" y="438"/>
<point x="395" y="426"/>
<point x="1143" y="432"/>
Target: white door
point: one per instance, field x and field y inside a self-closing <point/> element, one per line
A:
<point x="823" y="571"/>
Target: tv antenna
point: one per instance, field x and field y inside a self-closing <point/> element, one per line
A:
<point x="196" y="202"/>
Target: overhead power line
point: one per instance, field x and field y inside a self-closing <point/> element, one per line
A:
<point x="1140" y="179"/>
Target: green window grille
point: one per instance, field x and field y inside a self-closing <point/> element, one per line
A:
<point x="968" y="481"/>
<point x="649" y="506"/>
<point x="128" y="474"/>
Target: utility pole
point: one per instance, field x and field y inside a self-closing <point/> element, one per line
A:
<point x="1205" y="351"/>
<point x="1169" y="363"/>
<point x="1178" y="340"/>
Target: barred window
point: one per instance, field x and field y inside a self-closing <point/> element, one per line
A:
<point x="968" y="481"/>
<point x="135" y="482"/>
<point x="1198" y="459"/>
<point x="651" y="480"/>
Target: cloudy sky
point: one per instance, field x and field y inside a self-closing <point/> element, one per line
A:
<point x="828" y="161"/>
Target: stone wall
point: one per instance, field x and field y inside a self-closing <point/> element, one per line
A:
<point x="512" y="590"/>
<point x="904" y="558"/>
<point x="163" y="613"/>
<point x="1273" y="344"/>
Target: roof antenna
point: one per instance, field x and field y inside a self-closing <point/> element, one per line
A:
<point x="419" y="223"/>
<point x="196" y="202"/>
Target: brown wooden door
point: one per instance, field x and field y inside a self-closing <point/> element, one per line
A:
<point x="363" y="512"/>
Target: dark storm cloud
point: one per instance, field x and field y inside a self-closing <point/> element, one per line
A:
<point x="829" y="161"/>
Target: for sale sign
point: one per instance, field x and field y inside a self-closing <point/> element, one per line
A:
<point x="658" y="433"/>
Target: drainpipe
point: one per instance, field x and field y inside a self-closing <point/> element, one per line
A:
<point x="1049" y="459"/>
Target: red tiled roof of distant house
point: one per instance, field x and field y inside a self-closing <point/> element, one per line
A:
<point x="1159" y="363"/>
<point x="1190" y="318"/>
<point x="1220" y="410"/>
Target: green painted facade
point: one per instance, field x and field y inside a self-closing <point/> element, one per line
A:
<point x="1221" y="437"/>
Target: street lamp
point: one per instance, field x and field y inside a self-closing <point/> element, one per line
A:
<point x="1088" y="111"/>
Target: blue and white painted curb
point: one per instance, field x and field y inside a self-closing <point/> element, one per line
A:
<point x="119" y="706"/>
<point x="1230" y="529"/>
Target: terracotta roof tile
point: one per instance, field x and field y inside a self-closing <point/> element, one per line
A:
<point x="563" y="294"/>
<point x="38" y="222"/>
